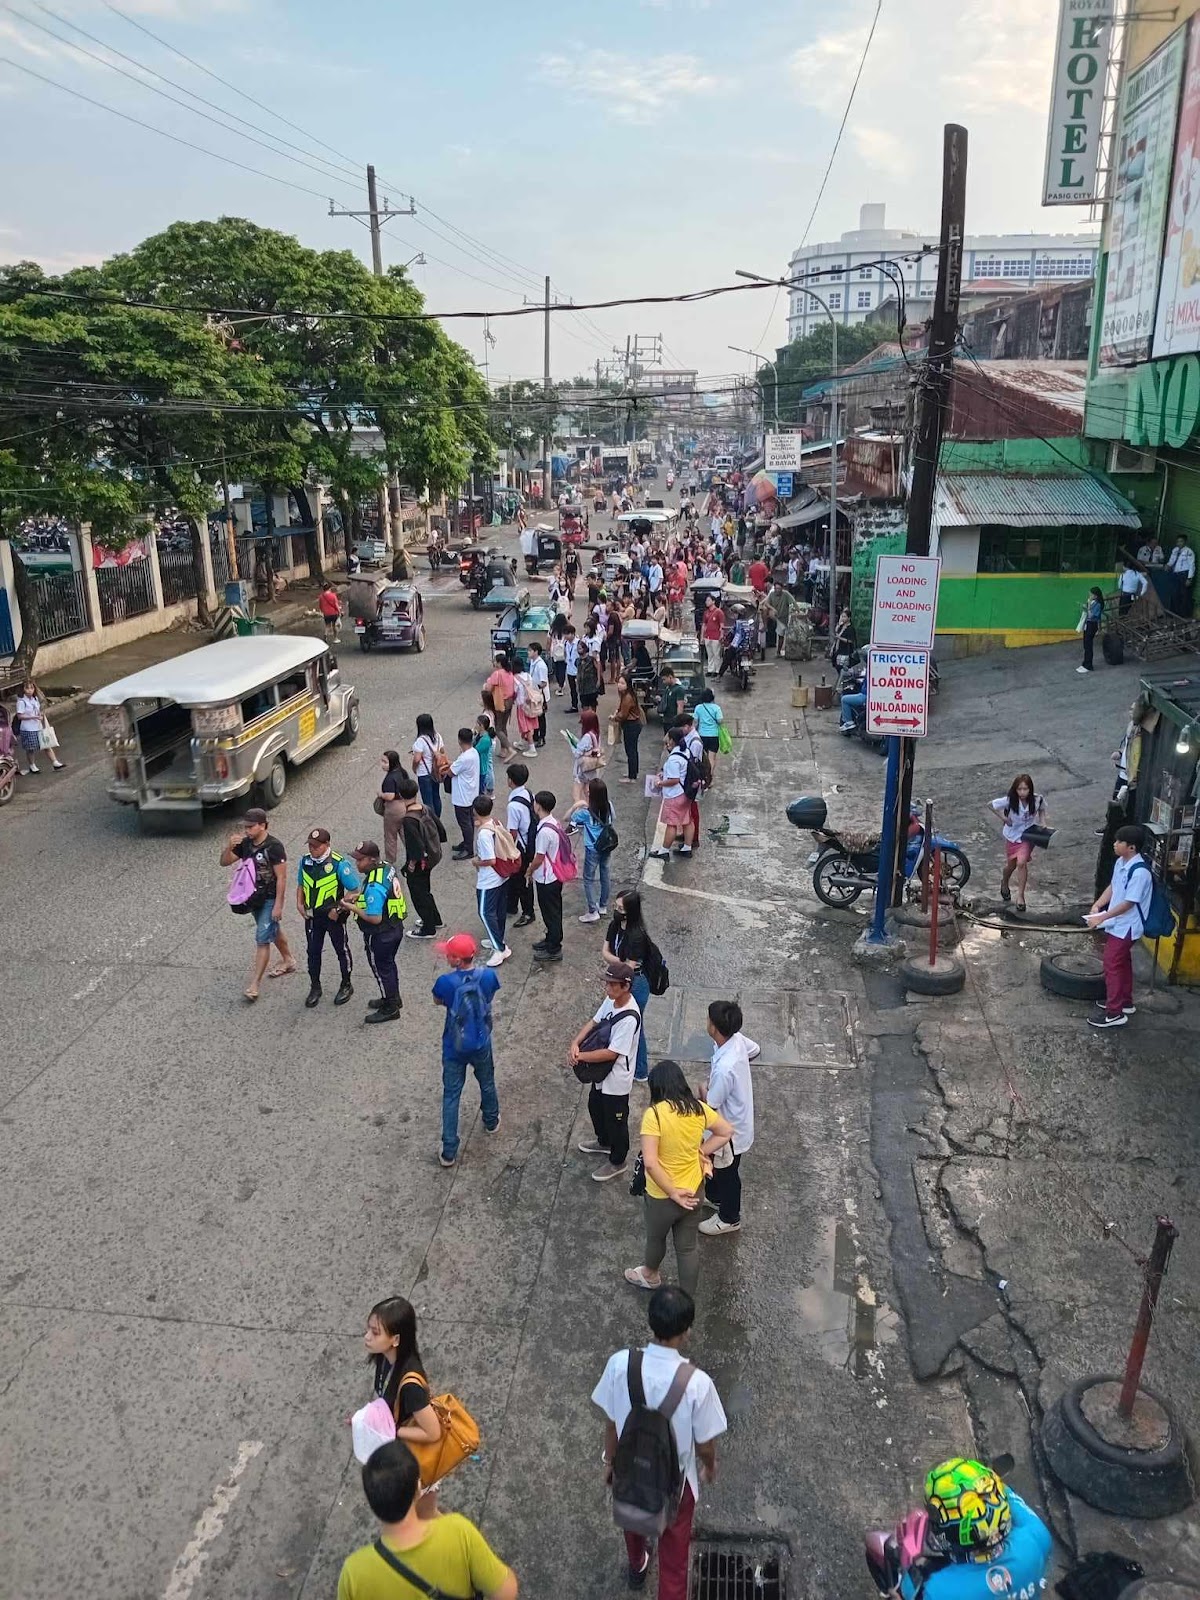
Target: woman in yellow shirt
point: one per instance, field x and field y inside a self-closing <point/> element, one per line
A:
<point x="673" y="1128"/>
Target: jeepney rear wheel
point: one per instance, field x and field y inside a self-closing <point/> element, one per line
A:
<point x="273" y="787"/>
<point x="350" y="730"/>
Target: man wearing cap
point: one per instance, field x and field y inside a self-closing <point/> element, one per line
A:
<point x="466" y="991"/>
<point x="322" y="879"/>
<point x="253" y="839"/>
<point x="608" y="1100"/>
<point x="380" y="908"/>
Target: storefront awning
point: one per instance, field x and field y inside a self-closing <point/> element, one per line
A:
<point x="976" y="499"/>
<point x="814" y="511"/>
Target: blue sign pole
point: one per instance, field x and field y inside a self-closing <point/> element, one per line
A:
<point x="887" y="842"/>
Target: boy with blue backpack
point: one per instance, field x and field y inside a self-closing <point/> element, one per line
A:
<point x="466" y="991"/>
<point x="1131" y="907"/>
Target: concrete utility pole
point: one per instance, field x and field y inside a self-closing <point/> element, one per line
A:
<point x="547" y="438"/>
<point x="377" y="215"/>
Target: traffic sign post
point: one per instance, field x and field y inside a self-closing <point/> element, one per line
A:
<point x="781" y="452"/>
<point x="783" y="485"/>
<point x="898" y="693"/>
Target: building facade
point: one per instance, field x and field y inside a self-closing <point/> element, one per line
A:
<point x="854" y="284"/>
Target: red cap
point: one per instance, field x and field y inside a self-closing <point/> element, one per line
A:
<point x="461" y="946"/>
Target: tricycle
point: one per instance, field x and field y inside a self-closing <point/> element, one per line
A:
<point x="387" y="614"/>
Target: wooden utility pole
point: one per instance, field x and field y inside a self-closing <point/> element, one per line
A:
<point x="933" y="400"/>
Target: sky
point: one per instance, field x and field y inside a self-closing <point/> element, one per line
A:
<point x="625" y="147"/>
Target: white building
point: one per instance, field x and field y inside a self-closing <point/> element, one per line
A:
<point x="993" y="263"/>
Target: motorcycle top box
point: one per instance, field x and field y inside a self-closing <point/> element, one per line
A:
<point x="808" y="811"/>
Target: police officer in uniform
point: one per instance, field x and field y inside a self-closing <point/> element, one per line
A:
<point x="380" y="908"/>
<point x="324" y="877"/>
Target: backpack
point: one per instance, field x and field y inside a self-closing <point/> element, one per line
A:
<point x="526" y="849"/>
<point x="694" y="780"/>
<point x="647" y="1477"/>
<point x="243" y="887"/>
<point x="509" y="860"/>
<point x="441" y="763"/>
<point x="598" y="1037"/>
<point x="658" y="975"/>
<point x="607" y="840"/>
<point x="470" y="1020"/>
<point x="1159" y="920"/>
<point x="535" y="702"/>
<point x="588" y="674"/>
<point x="564" y="866"/>
<point x="431" y="837"/>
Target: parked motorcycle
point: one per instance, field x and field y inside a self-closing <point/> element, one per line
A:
<point x="852" y="679"/>
<point x="843" y="868"/>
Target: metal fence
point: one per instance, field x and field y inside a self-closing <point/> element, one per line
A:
<point x="124" y="591"/>
<point x="61" y="600"/>
<point x="178" y="576"/>
<point x="219" y="546"/>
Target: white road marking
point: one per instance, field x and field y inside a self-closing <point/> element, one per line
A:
<point x="208" y="1527"/>
<point x="92" y="986"/>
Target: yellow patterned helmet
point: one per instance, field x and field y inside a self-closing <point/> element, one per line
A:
<point x="969" y="1514"/>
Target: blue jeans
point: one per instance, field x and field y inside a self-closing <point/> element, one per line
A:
<point x="454" y="1076"/>
<point x="594" y="864"/>
<point x="266" y="929"/>
<point x="431" y="793"/>
<point x="641" y="993"/>
<point x="852" y="703"/>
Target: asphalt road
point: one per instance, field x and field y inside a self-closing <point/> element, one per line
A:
<point x="202" y="1199"/>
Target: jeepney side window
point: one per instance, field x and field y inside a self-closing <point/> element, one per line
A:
<point x="258" y="703"/>
<point x="295" y="683"/>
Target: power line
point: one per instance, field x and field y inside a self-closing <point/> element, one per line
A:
<point x="100" y="105"/>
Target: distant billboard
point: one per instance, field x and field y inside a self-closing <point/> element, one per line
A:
<point x="1076" y="101"/>
<point x="1177" y="325"/>
<point x="1141" y="188"/>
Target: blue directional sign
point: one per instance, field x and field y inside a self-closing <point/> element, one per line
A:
<point x="783" y="485"/>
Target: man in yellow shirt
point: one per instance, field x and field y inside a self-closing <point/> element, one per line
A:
<point x="447" y="1556"/>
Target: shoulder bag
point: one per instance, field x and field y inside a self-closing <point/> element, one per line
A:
<point x="597" y="1038"/>
<point x="421" y="1585"/>
<point x="460" y="1435"/>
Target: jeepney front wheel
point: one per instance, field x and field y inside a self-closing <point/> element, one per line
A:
<point x="350" y="730"/>
<point x="273" y="787"/>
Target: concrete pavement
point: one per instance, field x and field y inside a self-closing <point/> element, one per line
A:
<point x="204" y="1199"/>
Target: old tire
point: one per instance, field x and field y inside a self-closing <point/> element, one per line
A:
<point x="835" y="895"/>
<point x="1123" y="1480"/>
<point x="353" y="717"/>
<point x="273" y="787"/>
<point x="946" y="977"/>
<point x="1074" y="974"/>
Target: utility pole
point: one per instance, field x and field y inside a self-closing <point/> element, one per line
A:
<point x="389" y="502"/>
<point x="933" y="398"/>
<point x="546" y="427"/>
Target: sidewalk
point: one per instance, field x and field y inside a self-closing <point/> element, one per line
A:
<point x="1035" y="1153"/>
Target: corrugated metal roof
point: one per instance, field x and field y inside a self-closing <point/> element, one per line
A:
<point x="1061" y="383"/>
<point x="971" y="499"/>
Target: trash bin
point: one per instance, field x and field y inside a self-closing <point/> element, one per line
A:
<point x="244" y="626"/>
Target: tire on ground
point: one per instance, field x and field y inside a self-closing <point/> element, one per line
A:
<point x="947" y="977"/>
<point x="1074" y="974"/>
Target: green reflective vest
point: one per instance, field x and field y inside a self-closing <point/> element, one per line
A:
<point x="319" y="880"/>
<point x="395" y="907"/>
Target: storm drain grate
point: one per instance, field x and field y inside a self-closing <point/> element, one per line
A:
<point x="730" y="1569"/>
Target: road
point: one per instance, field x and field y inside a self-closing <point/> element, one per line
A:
<point x="201" y="1199"/>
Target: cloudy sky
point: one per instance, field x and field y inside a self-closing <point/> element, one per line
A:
<point x="624" y="146"/>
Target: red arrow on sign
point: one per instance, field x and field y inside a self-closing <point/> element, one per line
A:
<point x="899" y="722"/>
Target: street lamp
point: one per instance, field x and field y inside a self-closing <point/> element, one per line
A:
<point x="766" y="363"/>
<point x="785" y="283"/>
<point x="414" y="261"/>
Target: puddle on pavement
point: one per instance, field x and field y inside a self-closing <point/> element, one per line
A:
<point x="841" y="1311"/>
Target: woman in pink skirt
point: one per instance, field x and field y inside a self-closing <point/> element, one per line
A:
<point x="677" y="808"/>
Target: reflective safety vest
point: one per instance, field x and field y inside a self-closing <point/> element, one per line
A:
<point x="395" y="907"/>
<point x="319" y="880"/>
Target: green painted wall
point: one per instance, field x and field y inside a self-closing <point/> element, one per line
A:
<point x="862" y="577"/>
<point x="1045" y="602"/>
<point x="1014" y="455"/>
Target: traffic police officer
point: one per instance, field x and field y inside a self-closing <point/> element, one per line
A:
<point x="381" y="909"/>
<point x="323" y="878"/>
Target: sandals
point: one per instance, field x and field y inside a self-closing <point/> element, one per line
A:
<point x="1005" y="892"/>
<point x="637" y="1277"/>
<point x="282" y="972"/>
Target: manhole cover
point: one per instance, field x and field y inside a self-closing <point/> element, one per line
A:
<point x="729" y="1569"/>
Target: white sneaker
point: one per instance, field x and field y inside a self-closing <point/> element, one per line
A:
<point x="499" y="957"/>
<point x="590" y="916"/>
<point x="601" y="911"/>
<point x="713" y="1227"/>
<point x="1081" y="669"/>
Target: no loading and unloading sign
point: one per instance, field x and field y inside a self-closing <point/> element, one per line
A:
<point x="898" y="692"/>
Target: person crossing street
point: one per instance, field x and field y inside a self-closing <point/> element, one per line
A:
<point x="380" y="908"/>
<point x="322" y="879"/>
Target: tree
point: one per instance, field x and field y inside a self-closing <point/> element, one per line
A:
<point x="810" y="360"/>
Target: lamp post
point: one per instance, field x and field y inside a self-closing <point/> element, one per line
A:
<point x="766" y="363"/>
<point x="784" y="283"/>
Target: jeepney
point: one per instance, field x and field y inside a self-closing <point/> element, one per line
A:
<point x="220" y="722"/>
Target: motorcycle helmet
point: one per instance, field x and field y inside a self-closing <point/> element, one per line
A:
<point x="969" y="1513"/>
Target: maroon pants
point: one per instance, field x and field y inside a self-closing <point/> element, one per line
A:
<point x="1118" y="973"/>
<point x="673" y="1550"/>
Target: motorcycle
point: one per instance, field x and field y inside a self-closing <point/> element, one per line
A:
<point x="851" y="680"/>
<point x="843" y="868"/>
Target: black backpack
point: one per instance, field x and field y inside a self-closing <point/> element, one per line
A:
<point x="695" y="780"/>
<point x="528" y="848"/>
<point x="654" y="965"/>
<point x="647" y="1478"/>
<point x="432" y="835"/>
